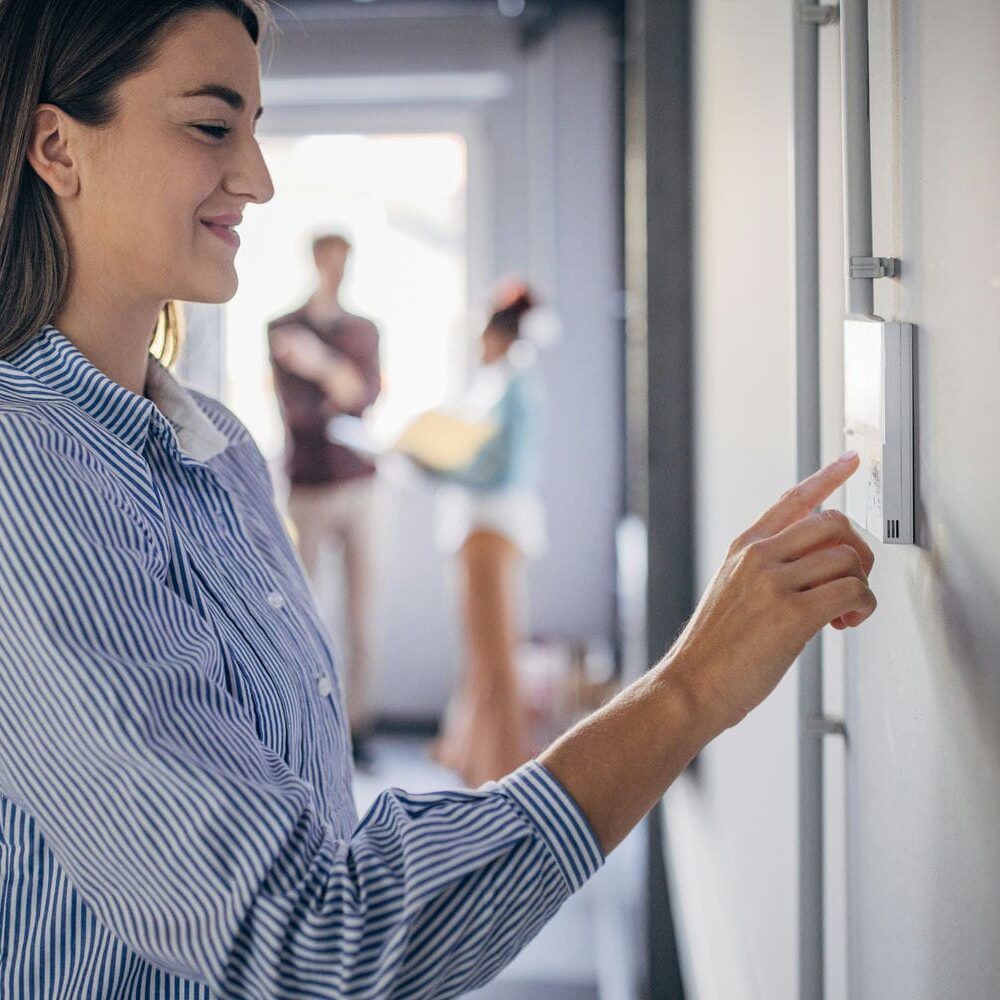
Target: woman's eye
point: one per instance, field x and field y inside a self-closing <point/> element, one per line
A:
<point x="215" y="131"/>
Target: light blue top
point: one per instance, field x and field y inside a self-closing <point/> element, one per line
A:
<point x="512" y="457"/>
<point x="176" y="817"/>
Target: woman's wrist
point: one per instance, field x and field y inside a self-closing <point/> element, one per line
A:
<point x="689" y="705"/>
<point x="620" y="760"/>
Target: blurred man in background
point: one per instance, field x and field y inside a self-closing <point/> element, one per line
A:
<point x="326" y="363"/>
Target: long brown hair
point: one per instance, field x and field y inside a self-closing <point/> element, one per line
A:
<point x="73" y="54"/>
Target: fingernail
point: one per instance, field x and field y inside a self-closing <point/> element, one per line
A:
<point x="848" y="456"/>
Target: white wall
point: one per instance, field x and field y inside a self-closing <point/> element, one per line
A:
<point x="922" y="680"/>
<point x="550" y="186"/>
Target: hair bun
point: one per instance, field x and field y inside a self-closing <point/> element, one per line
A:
<point x="513" y="295"/>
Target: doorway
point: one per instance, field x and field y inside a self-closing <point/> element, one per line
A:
<point x="401" y="200"/>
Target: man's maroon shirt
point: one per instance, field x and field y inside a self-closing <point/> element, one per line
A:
<point x="310" y="457"/>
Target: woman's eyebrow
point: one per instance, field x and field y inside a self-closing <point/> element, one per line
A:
<point x="232" y="97"/>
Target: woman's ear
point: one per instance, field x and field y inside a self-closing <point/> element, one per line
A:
<point x="49" y="154"/>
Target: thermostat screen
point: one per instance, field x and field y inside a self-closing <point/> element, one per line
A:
<point x="863" y="380"/>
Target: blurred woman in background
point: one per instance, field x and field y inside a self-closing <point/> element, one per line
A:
<point x="491" y="516"/>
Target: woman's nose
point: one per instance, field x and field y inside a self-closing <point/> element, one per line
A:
<point x="250" y="177"/>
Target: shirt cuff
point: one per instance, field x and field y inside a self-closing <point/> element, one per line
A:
<point x="558" y="819"/>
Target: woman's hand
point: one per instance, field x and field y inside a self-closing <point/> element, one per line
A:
<point x="781" y="582"/>
<point x="790" y="574"/>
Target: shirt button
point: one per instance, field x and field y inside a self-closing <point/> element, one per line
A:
<point x="275" y="600"/>
<point x="324" y="686"/>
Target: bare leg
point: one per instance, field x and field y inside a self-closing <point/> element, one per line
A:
<point x="451" y="746"/>
<point x="493" y="740"/>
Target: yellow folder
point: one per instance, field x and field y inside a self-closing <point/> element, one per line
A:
<point x="444" y="442"/>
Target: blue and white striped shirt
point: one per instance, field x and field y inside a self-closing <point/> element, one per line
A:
<point x="176" y="816"/>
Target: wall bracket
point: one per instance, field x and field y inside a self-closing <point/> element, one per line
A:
<point x="819" y="13"/>
<point x="823" y="725"/>
<point x="874" y="267"/>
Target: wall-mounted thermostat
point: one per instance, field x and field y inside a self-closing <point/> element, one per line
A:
<point x="878" y="407"/>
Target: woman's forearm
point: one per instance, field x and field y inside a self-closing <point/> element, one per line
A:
<point x="618" y="762"/>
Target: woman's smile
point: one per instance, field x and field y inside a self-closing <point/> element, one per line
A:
<point x="223" y="226"/>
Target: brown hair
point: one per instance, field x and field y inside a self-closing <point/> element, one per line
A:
<point x="74" y="54"/>
<point x="509" y="310"/>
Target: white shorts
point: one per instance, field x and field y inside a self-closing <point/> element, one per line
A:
<point x="515" y="513"/>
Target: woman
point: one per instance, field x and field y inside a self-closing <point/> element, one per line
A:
<point x="492" y="517"/>
<point x="175" y="781"/>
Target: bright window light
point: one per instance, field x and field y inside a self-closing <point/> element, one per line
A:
<point x="401" y="201"/>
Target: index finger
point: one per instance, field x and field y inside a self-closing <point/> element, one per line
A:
<point x="801" y="500"/>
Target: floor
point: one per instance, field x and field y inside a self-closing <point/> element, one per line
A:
<point x="591" y="950"/>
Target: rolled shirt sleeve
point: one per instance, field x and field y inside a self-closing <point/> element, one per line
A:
<point x="191" y="840"/>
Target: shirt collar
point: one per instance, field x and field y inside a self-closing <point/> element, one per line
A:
<point x="53" y="360"/>
<point x="197" y="436"/>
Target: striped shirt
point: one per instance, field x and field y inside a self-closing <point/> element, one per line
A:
<point x="176" y="818"/>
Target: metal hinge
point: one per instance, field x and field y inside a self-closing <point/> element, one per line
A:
<point x="874" y="267"/>
<point x="819" y="13"/>
<point x="822" y="725"/>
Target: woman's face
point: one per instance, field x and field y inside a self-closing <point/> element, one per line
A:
<point x="162" y="187"/>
